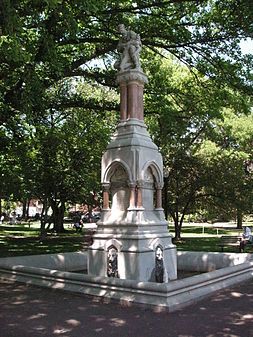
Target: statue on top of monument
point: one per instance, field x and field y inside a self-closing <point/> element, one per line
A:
<point x="129" y="46"/>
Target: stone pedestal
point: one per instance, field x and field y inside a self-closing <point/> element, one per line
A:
<point x="132" y="239"/>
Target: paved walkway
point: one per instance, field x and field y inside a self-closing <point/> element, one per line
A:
<point x="28" y="311"/>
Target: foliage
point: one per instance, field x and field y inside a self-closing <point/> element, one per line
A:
<point x="61" y="161"/>
<point x="228" y="189"/>
<point x="55" y="60"/>
<point x="184" y="114"/>
<point x="44" y="43"/>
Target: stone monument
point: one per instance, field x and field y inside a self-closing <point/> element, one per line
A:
<point x="132" y="239"/>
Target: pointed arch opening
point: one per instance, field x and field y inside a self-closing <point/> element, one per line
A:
<point x="152" y="186"/>
<point x="117" y="184"/>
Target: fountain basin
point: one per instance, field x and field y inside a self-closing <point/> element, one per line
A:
<point x="56" y="271"/>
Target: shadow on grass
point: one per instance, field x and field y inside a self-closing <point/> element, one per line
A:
<point x="13" y="246"/>
<point x="23" y="230"/>
<point x="19" y="239"/>
<point x="204" y="244"/>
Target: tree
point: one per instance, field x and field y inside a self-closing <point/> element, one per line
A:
<point x="62" y="162"/>
<point x="43" y="43"/>
<point x="229" y="190"/>
<point x="46" y="47"/>
<point x="185" y="117"/>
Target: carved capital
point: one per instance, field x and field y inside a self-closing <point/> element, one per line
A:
<point x="131" y="75"/>
<point x="159" y="186"/>
<point x="106" y="186"/>
<point x="131" y="184"/>
<point x="140" y="183"/>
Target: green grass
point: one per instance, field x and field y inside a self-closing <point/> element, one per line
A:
<point x="205" y="244"/>
<point x="23" y="239"/>
<point x="206" y="239"/>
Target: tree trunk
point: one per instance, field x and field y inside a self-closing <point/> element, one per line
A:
<point x="24" y="209"/>
<point x="27" y="209"/>
<point x="177" y="226"/>
<point x="177" y="232"/>
<point x="239" y="218"/>
<point x="43" y="221"/>
<point x="58" y="215"/>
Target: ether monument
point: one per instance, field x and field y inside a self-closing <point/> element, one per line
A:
<point x="132" y="239"/>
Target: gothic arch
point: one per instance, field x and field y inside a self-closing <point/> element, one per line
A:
<point x="113" y="242"/>
<point x="116" y="187"/>
<point x="154" y="169"/>
<point x="112" y="167"/>
<point x="152" y="180"/>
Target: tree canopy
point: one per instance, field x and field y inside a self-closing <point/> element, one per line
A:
<point x="46" y="42"/>
<point x="57" y="84"/>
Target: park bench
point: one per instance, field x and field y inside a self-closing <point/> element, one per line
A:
<point x="229" y="241"/>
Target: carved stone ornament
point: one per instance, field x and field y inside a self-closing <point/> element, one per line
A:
<point x="159" y="185"/>
<point x="148" y="176"/>
<point x="131" y="75"/>
<point x="129" y="47"/>
<point x="159" y="267"/>
<point x="112" y="262"/>
<point x="106" y="186"/>
<point x="119" y="174"/>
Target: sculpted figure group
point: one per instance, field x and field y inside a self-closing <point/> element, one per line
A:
<point x="129" y="47"/>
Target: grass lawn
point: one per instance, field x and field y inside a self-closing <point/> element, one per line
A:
<point x="206" y="238"/>
<point x="23" y="239"/>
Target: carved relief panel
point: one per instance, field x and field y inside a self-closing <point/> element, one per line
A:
<point x="112" y="262"/>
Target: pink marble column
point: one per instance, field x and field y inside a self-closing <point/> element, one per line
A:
<point x="106" y="196"/>
<point x="140" y="100"/>
<point x="132" y="195"/>
<point x="139" y="203"/>
<point x="131" y="84"/>
<point x="158" y="197"/>
<point x="132" y="100"/>
<point x="158" y="187"/>
<point x="123" y="101"/>
<point x="135" y="100"/>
